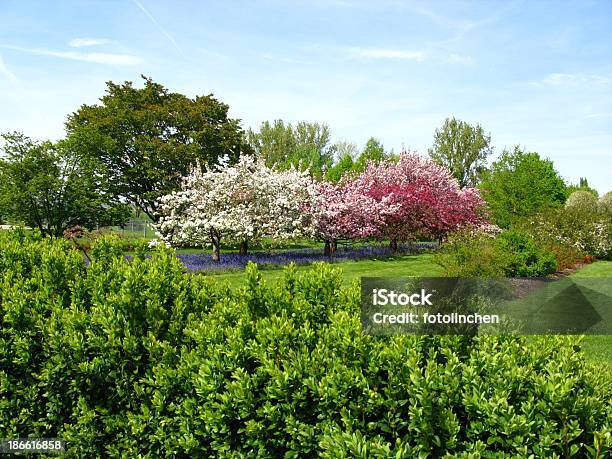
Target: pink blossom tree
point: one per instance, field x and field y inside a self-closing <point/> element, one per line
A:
<point x="420" y="199"/>
<point x="345" y="211"/>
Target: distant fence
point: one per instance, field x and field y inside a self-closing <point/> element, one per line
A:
<point x="135" y="227"/>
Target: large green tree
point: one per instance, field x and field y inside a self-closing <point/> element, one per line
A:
<point x="374" y="151"/>
<point x="53" y="186"/>
<point x="519" y="184"/>
<point x="303" y="145"/>
<point x="147" y="138"/>
<point x="463" y="148"/>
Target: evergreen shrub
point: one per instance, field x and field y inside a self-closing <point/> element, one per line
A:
<point x="136" y="358"/>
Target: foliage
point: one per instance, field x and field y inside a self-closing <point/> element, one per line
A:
<point x="583" y="201"/>
<point x="244" y="202"/>
<point x="373" y="152"/>
<point x="463" y="149"/>
<point x="344" y="167"/>
<point x="138" y="359"/>
<point x="52" y="186"/>
<point x="520" y="184"/>
<point x="511" y="253"/>
<point x="148" y="138"/>
<point x="284" y="146"/>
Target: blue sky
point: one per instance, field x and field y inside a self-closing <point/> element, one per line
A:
<point x="534" y="73"/>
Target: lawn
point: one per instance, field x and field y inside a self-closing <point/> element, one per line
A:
<point x="597" y="349"/>
<point x="409" y="265"/>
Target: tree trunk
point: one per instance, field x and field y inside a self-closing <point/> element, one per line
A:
<point x="215" y="240"/>
<point x="393" y="245"/>
<point x="327" y="249"/>
<point x="334" y="246"/>
<point x="244" y="248"/>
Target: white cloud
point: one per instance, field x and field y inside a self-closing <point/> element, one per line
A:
<point x="98" y="58"/>
<point x="559" y="79"/>
<point x="454" y="58"/>
<point x="384" y="53"/>
<point x="4" y="70"/>
<point x="81" y="42"/>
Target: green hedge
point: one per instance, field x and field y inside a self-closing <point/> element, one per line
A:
<point x="138" y="359"/>
<point x="513" y="253"/>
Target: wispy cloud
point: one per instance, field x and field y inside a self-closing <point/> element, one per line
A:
<point x="600" y="115"/>
<point x="81" y="42"/>
<point x="159" y="26"/>
<point x="287" y="60"/>
<point x="4" y="70"/>
<point x="98" y="58"/>
<point x="455" y="58"/>
<point x="564" y="79"/>
<point x="385" y="53"/>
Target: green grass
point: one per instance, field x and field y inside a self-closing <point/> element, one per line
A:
<point x="410" y="265"/>
<point x="597" y="349"/>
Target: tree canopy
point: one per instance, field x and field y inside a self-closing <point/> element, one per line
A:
<point x="462" y="148"/>
<point x="52" y="187"/>
<point x="148" y="138"/>
<point x="282" y="146"/>
<point x="519" y="184"/>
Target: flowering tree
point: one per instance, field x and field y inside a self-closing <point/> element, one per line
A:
<point x="241" y="203"/>
<point x="420" y="198"/>
<point x="345" y="211"/>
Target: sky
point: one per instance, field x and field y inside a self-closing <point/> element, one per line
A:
<point x="535" y="73"/>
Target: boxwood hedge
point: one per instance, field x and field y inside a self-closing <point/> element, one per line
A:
<point x="135" y="358"/>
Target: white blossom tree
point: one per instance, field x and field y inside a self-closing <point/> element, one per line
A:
<point x="241" y="204"/>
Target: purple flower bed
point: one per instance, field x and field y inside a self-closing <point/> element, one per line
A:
<point x="203" y="261"/>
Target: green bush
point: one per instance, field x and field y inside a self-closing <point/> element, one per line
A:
<point x="511" y="253"/>
<point x="139" y="359"/>
<point x="522" y="257"/>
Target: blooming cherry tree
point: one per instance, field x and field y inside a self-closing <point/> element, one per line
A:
<point x="420" y="197"/>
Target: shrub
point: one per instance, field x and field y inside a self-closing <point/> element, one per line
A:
<point x="572" y="230"/>
<point x="511" y="253"/>
<point x="522" y="257"/>
<point x="138" y="359"/>
<point x="583" y="201"/>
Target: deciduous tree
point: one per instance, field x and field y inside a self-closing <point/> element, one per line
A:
<point x="52" y="187"/>
<point x="462" y="148"/>
<point x="148" y="138"/>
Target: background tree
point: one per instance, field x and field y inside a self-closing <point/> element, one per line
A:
<point x="520" y="184"/>
<point x="305" y="145"/>
<point x="583" y="185"/>
<point x="52" y="187"/>
<point x="373" y="151"/>
<point x="462" y="148"/>
<point x="148" y="138"/>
